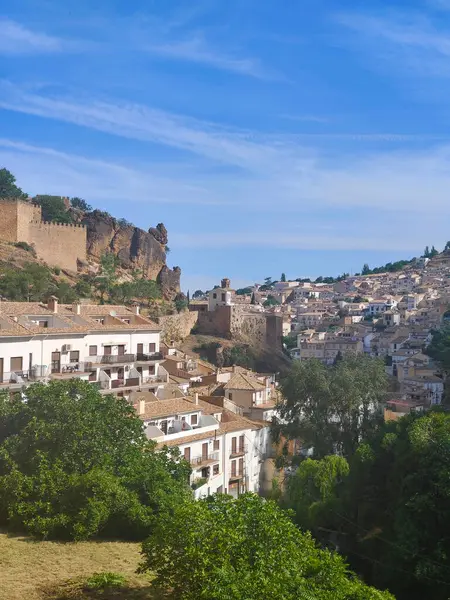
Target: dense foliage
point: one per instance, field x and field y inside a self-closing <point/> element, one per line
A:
<point x="331" y="408"/>
<point x="53" y="209"/>
<point x="439" y="348"/>
<point x="74" y="463"/>
<point x="8" y="187"/>
<point x="220" y="548"/>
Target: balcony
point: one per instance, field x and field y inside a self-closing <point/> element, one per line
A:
<point x="71" y="370"/>
<point x="110" y="359"/>
<point x="149" y="357"/>
<point x="236" y="452"/>
<point x="205" y="459"/>
<point x="20" y="378"/>
<point x="236" y="477"/>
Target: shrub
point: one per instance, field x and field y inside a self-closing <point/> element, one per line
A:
<point x="104" y="581"/>
<point x="26" y="246"/>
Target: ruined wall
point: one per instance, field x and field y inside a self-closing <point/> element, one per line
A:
<point x="15" y="218"/>
<point x="177" y="327"/>
<point x="59" y="245"/>
<point x="216" y="322"/>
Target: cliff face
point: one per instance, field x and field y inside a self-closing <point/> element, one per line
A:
<point x="135" y="248"/>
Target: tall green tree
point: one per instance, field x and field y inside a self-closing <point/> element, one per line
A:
<point x="395" y="522"/>
<point x="74" y="463"/>
<point x="53" y="209"/>
<point x="332" y="408"/>
<point x="283" y="277"/>
<point x="8" y="187"/>
<point x="365" y="270"/>
<point x="220" y="548"/>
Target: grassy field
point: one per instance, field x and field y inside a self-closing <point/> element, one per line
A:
<point x="33" y="570"/>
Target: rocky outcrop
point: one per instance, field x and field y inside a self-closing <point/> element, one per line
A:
<point x="134" y="247"/>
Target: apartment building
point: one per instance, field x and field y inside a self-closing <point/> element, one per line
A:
<point x="225" y="450"/>
<point x="113" y="347"/>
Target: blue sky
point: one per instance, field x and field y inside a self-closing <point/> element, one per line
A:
<point x="304" y="137"/>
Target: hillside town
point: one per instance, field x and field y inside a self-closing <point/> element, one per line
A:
<point x="389" y="315"/>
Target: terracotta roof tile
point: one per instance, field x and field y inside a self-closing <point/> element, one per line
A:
<point x="239" y="381"/>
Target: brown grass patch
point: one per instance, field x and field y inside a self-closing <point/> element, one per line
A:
<point x="35" y="570"/>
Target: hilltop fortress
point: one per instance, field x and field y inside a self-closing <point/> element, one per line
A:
<point x="57" y="244"/>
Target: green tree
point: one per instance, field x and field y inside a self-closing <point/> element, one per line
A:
<point x="198" y="294"/>
<point x="283" y="277"/>
<point x="365" y="270"/>
<point x="83" y="288"/>
<point x="396" y="520"/>
<point x="271" y="301"/>
<point x="74" y="462"/>
<point x="107" y="278"/>
<point x="53" y="209"/>
<point x="426" y="252"/>
<point x="433" y="252"/>
<point x="180" y="302"/>
<point x="32" y="283"/>
<point x="447" y="246"/>
<point x="439" y="348"/>
<point x="220" y="548"/>
<point x="313" y="492"/>
<point x="332" y="408"/>
<point x="8" y="187"/>
<point x="80" y="204"/>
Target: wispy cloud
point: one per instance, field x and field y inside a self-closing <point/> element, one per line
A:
<point x="98" y="180"/>
<point x="17" y="39"/>
<point x="305" y="118"/>
<point x="406" y="39"/>
<point x="196" y="50"/>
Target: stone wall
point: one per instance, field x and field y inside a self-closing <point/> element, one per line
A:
<point x="177" y="327"/>
<point x="238" y="322"/>
<point x="59" y="245"/>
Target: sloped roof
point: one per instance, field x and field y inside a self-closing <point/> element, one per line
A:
<point x="239" y="381"/>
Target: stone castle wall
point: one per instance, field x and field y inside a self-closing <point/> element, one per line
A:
<point x="177" y="327"/>
<point x="237" y="321"/>
<point x="57" y="244"/>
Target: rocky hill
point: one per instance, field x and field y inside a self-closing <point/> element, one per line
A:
<point x="135" y="248"/>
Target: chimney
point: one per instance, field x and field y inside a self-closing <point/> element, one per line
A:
<point x="196" y="399"/>
<point x="234" y="369"/>
<point x="76" y="308"/>
<point x="52" y="304"/>
<point x="141" y="407"/>
<point x="136" y="309"/>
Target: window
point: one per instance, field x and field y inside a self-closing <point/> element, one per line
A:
<point x="152" y="348"/>
<point x="43" y="323"/>
<point x="214" y="295"/>
<point x="107" y="350"/>
<point x="230" y="396"/>
<point x="194" y="419"/>
<point x="219" y="489"/>
<point x="223" y="297"/>
<point x="216" y="444"/>
<point x="233" y="445"/>
<point x="233" y="468"/>
<point x="163" y="426"/>
<point x="215" y="469"/>
<point x="120" y="350"/>
<point x="187" y="454"/>
<point x="92" y="350"/>
<point x="241" y="466"/>
<point x="74" y="356"/>
<point x="241" y="443"/>
<point x="16" y="364"/>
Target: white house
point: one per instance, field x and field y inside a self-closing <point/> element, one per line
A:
<point x="113" y="347"/>
<point x="225" y="450"/>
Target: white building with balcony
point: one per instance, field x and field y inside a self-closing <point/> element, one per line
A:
<point x="113" y="347"/>
<point x="225" y="450"/>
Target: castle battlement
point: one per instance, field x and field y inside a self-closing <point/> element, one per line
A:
<point x="58" y="244"/>
<point x="55" y="224"/>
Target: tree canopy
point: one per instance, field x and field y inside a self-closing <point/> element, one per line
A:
<point x="220" y="548"/>
<point x="331" y="408"/>
<point x="74" y="462"/>
<point x="53" y="209"/>
<point x="8" y="187"/>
